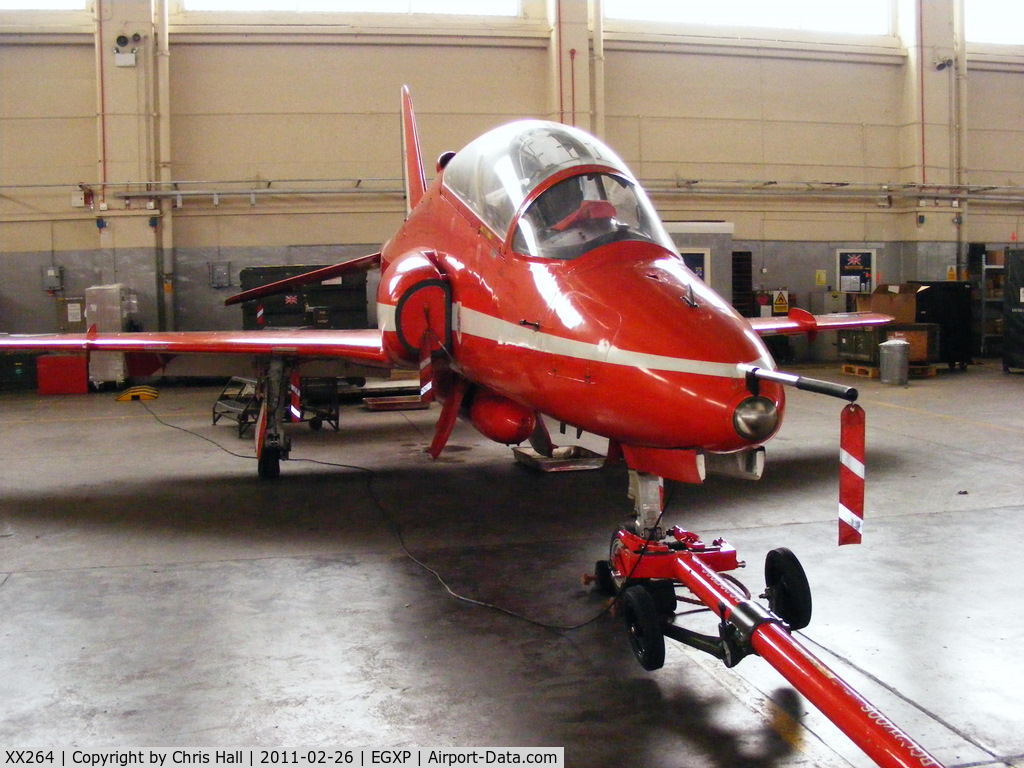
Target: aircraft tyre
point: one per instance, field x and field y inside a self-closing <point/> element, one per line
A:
<point x="269" y="464"/>
<point x="664" y="595"/>
<point x="643" y="623"/>
<point x="787" y="590"/>
<point x="604" y="579"/>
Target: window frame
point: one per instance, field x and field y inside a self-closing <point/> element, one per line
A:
<point x="759" y="31"/>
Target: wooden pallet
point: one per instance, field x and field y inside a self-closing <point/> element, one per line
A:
<point x="855" y="369"/>
<point x="921" y="371"/>
<point x="918" y="371"/>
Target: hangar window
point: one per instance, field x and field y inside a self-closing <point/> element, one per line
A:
<point x="864" y="17"/>
<point x="462" y="7"/>
<point x="994" y="21"/>
<point x="42" y="5"/>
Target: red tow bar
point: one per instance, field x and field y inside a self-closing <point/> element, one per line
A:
<point x="746" y="628"/>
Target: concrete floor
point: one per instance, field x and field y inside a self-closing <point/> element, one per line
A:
<point x="155" y="593"/>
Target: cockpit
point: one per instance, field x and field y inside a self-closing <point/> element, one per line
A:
<point x="496" y="174"/>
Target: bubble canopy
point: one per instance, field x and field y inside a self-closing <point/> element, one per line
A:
<point x="495" y="174"/>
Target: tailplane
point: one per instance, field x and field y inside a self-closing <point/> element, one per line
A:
<point x="415" y="181"/>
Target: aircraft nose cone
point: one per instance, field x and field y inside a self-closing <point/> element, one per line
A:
<point x="755" y="419"/>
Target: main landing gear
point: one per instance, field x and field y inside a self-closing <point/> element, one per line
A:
<point x="272" y="445"/>
<point x="645" y="568"/>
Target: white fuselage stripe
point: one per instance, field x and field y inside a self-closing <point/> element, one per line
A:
<point x="474" y="323"/>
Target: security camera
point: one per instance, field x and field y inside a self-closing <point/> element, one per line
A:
<point x="941" y="64"/>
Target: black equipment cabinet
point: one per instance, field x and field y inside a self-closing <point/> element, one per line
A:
<point x="338" y="303"/>
<point x="947" y="304"/>
<point x="1013" y="311"/>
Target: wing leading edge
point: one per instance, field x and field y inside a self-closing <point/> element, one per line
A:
<point x="357" y="346"/>
<point x="801" y="321"/>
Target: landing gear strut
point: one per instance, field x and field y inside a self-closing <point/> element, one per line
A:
<point x="271" y="443"/>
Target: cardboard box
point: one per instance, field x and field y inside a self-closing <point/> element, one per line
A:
<point x="897" y="301"/>
<point x="923" y="340"/>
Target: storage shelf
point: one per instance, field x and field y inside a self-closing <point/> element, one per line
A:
<point x="986" y="270"/>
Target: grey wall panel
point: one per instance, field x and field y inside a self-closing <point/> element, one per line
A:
<point x="26" y="308"/>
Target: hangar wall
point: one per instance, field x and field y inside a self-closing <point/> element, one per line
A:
<point x="771" y="135"/>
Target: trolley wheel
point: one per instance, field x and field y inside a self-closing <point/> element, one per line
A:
<point x="613" y="548"/>
<point x="788" y="593"/>
<point x="664" y="595"/>
<point x="316" y="423"/>
<point x="643" y="623"/>
<point x="269" y="464"/>
<point x="604" y="579"/>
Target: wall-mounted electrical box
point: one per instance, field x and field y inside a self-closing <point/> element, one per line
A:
<point x="53" y="278"/>
<point x="220" y="274"/>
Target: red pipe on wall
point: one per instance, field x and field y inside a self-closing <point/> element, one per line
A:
<point x="920" y="66"/>
<point x="572" y="82"/>
<point x="558" y="52"/>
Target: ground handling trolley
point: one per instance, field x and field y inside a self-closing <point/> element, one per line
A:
<point x="238" y="402"/>
<point x="644" y="574"/>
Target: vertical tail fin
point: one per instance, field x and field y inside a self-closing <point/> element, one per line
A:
<point x="415" y="181"/>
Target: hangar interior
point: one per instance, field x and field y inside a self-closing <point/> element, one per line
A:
<point x="154" y="592"/>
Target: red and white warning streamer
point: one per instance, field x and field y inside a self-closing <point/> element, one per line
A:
<point x="851" y="474"/>
<point x="295" y="395"/>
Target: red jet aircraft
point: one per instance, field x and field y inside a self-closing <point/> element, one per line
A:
<point x="533" y="276"/>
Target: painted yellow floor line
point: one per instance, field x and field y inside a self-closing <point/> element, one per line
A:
<point x="111" y="417"/>
<point x="947" y="417"/>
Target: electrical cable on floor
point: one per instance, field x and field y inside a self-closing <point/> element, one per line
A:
<point x="194" y="434"/>
<point x="397" y="533"/>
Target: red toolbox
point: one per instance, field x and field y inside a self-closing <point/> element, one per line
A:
<point x="62" y="374"/>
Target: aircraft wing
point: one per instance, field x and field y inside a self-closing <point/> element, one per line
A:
<point x="359" y="346"/>
<point x="801" y="321"/>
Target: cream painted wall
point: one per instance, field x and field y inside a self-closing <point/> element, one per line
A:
<point x="47" y="121"/>
<point x="753" y="117"/>
<point x="322" y="111"/>
<point x="244" y="111"/>
<point x="252" y="105"/>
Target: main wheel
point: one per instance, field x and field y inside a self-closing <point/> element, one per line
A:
<point x="605" y="579"/>
<point x="788" y="593"/>
<point x="269" y="464"/>
<point x="643" y="623"/>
